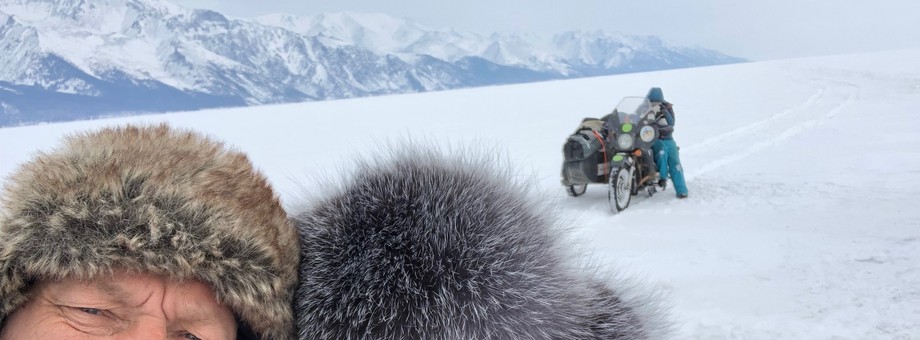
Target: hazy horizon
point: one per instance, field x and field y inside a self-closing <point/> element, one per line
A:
<point x="752" y="30"/>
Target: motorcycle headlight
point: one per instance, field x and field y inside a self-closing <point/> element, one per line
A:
<point x="625" y="142"/>
<point x="647" y="134"/>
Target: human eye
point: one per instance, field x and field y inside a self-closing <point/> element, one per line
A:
<point x="88" y="312"/>
<point x="92" y="311"/>
<point x="91" y="320"/>
<point x="189" y="336"/>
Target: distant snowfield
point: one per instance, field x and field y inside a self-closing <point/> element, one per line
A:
<point x="803" y="218"/>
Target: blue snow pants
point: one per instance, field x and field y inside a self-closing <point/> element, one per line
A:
<point x="668" y="159"/>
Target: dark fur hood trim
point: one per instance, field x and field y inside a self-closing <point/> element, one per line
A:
<point x="150" y="199"/>
<point x="423" y="245"/>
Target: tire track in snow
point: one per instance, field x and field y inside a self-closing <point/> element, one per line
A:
<point x="744" y="130"/>
<point x="850" y="97"/>
<point x="583" y="203"/>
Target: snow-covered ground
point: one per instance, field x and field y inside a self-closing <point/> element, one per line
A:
<point x="803" y="219"/>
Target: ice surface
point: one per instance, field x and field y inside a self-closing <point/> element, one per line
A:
<point x="803" y="174"/>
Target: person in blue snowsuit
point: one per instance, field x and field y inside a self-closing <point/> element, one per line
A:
<point x="667" y="154"/>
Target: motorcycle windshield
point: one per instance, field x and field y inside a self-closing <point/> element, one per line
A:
<point x="631" y="109"/>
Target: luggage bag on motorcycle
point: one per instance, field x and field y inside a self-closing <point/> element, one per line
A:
<point x="583" y="154"/>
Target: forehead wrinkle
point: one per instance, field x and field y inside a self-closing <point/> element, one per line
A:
<point x="114" y="291"/>
<point x="119" y="294"/>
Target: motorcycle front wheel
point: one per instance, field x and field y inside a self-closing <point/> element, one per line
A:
<point x="619" y="189"/>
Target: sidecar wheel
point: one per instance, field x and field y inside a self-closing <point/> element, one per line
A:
<point x="619" y="189"/>
<point x="576" y="190"/>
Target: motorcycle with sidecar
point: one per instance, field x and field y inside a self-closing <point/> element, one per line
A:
<point x="615" y="150"/>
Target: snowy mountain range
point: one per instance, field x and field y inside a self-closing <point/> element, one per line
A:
<point x="75" y="59"/>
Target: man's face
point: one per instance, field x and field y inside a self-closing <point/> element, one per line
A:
<point x="125" y="306"/>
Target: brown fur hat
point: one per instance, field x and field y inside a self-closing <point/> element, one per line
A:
<point x="156" y="200"/>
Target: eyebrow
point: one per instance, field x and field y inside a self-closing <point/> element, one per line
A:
<point x="117" y="293"/>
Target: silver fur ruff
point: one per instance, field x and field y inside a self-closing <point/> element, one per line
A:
<point x="425" y="245"/>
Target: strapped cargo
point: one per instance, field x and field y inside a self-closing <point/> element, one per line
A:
<point x="585" y="152"/>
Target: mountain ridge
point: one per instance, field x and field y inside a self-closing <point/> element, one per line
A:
<point x="186" y="59"/>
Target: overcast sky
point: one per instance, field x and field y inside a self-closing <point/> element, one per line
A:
<point x="757" y="30"/>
